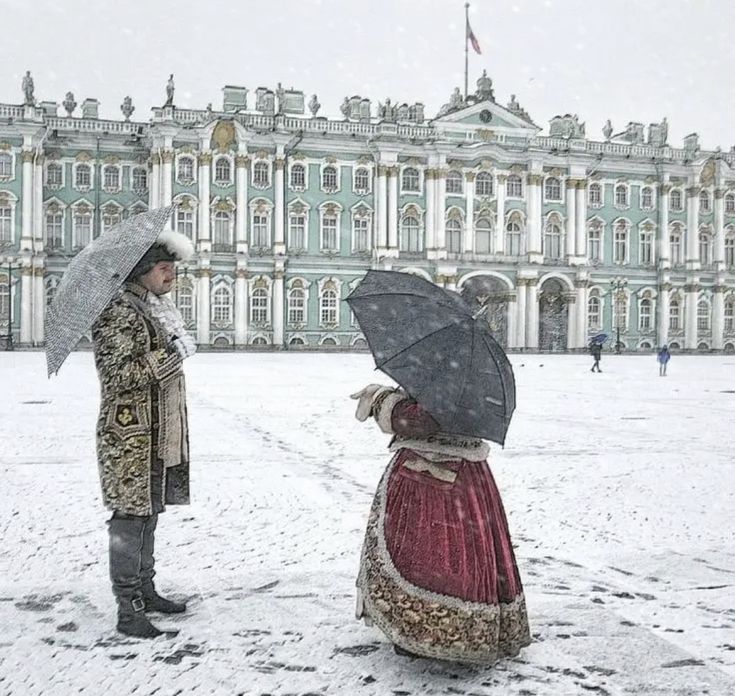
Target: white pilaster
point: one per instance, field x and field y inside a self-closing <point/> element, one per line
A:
<point x="511" y="320"/>
<point x="241" y="219"/>
<point x="167" y="158"/>
<point x="468" y="240"/>
<point x="154" y="186"/>
<point x="581" y="309"/>
<point x="663" y="314"/>
<point x="719" y="256"/>
<point x="38" y="204"/>
<point x="662" y="234"/>
<point x="500" y="215"/>
<point x="581" y="228"/>
<point x="26" y="221"/>
<point x="241" y="307"/>
<point x="521" y="313"/>
<point x="441" y="213"/>
<point x="393" y="211"/>
<point x="570" y="234"/>
<point x="39" y="305"/>
<point x="718" y="317"/>
<point x="381" y="211"/>
<point x="533" y="208"/>
<point x="279" y="246"/>
<point x="26" y="305"/>
<point x="690" y="316"/>
<point x="203" y="313"/>
<point x="692" y="247"/>
<point x="205" y="164"/>
<point x="278" y="308"/>
<point x="532" y="314"/>
<point x="571" y="321"/>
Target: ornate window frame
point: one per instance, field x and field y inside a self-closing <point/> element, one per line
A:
<point x="510" y="186"/>
<point x="331" y="209"/>
<point x="258" y="283"/>
<point x="194" y="168"/>
<point x="222" y="182"/>
<point x="518" y="217"/>
<point x="411" y="210"/>
<point x="9" y="152"/>
<point x="83" y="188"/>
<point x="9" y="200"/>
<point x="138" y="189"/>
<point x="647" y="294"/>
<point x="615" y="228"/>
<point x="486" y="176"/>
<point x="54" y="206"/>
<point x="81" y="207"/>
<point x="227" y="283"/>
<point x="625" y="187"/>
<point x="258" y="163"/>
<point x="107" y="208"/>
<point x="680" y="193"/>
<point x="293" y="285"/>
<point x="323" y="187"/>
<point x="596" y="205"/>
<point x="324" y="285"/>
<point x="292" y="164"/>
<point x="556" y="182"/>
<point x="261" y="207"/>
<point x="358" y="166"/>
<point x="596" y="223"/>
<point x="219" y="206"/>
<point x="186" y="203"/>
<point x="361" y="211"/>
<point x="647" y="228"/>
<point x="62" y="168"/>
<point x="419" y="190"/>
<point x="641" y="197"/>
<point x="557" y="219"/>
<point x="454" y="174"/>
<point x="297" y="208"/>
<point x="111" y="167"/>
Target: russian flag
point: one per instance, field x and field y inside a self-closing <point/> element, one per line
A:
<point x="473" y="39"/>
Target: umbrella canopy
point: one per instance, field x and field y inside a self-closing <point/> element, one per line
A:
<point x="428" y="340"/>
<point x="599" y="338"/>
<point x="93" y="279"/>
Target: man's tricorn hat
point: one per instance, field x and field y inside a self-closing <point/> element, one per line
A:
<point x="170" y="246"/>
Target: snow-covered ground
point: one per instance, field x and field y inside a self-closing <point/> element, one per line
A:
<point x="619" y="489"/>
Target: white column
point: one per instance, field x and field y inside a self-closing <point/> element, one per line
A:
<point x="26" y="305"/>
<point x="581" y="308"/>
<point x="662" y="235"/>
<point x="241" y="219"/>
<point x="581" y="227"/>
<point x="692" y="248"/>
<point x="468" y="239"/>
<point x="500" y="214"/>
<point x="205" y="162"/>
<point x="521" y="313"/>
<point x="154" y="186"/>
<point x="441" y="213"/>
<point x="570" y="234"/>
<point x="718" y="317"/>
<point x="167" y="157"/>
<point x="719" y="256"/>
<point x="533" y="208"/>
<point x="532" y="314"/>
<point x="26" y="220"/>
<point x="241" y="307"/>
<point x="38" y="204"/>
<point x="571" y="298"/>
<point x="663" y="313"/>
<point x="511" y="321"/>
<point x="393" y="210"/>
<point x="430" y="215"/>
<point x="203" y="309"/>
<point x="278" y="309"/>
<point x="39" y="306"/>
<point x="690" y="328"/>
<point x="279" y="247"/>
<point x="381" y="211"/>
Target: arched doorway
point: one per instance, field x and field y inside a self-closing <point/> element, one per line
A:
<point x="553" y="316"/>
<point x="490" y="291"/>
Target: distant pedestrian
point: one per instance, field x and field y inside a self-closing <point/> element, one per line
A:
<point x="663" y="360"/>
<point x="596" y="353"/>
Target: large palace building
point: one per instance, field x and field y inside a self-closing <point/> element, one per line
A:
<point x="563" y="237"/>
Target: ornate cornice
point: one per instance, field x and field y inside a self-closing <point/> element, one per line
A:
<point x="693" y="191"/>
<point x="167" y="156"/>
<point x="26" y="156"/>
<point x="470" y="176"/>
<point x="242" y="160"/>
<point x="205" y="159"/>
<point x="534" y="179"/>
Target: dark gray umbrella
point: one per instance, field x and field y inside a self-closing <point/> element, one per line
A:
<point x="93" y="278"/>
<point x="428" y="340"/>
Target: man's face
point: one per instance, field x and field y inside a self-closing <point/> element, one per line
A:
<point x="160" y="279"/>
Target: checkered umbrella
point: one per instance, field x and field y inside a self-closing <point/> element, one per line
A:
<point x="93" y="279"/>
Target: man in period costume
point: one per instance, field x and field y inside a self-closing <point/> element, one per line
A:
<point x="140" y="342"/>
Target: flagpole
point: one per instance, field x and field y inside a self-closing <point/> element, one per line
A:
<point x="466" y="44"/>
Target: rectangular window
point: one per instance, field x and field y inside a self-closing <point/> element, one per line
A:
<point x="186" y="305"/>
<point x="82" y="230"/>
<point x="112" y="178"/>
<point x="329" y="233"/>
<point x="185" y="222"/>
<point x="6" y="219"/>
<point x="140" y="179"/>
<point x="260" y="231"/>
<point x="296" y="307"/>
<point x="620" y="247"/>
<point x="646" y="249"/>
<point x="361" y="233"/>
<point x="297" y="234"/>
<point x="54" y="175"/>
<point x="55" y="230"/>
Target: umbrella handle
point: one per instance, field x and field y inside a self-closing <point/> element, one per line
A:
<point x="480" y="311"/>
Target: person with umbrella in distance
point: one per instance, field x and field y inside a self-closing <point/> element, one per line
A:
<point x="596" y="351"/>
<point x="438" y="573"/>
<point x="139" y="343"/>
<point x="663" y="360"/>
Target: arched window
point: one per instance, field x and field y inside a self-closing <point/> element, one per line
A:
<point x="410" y="179"/>
<point x="410" y="235"/>
<point x="362" y="180"/>
<point x="111" y="178"/>
<point x="297" y="306"/>
<point x="297" y="231"/>
<point x="261" y="233"/>
<point x="730" y="247"/>
<point x="259" y="306"/>
<point x="675" y="201"/>
<point x="4" y="298"/>
<point x="83" y="176"/>
<point x="703" y="315"/>
<point x="185" y="301"/>
<point x="6" y="165"/>
<point x="329" y="178"/>
<point x="261" y="175"/>
<point x="646" y="198"/>
<point x="705" y="248"/>
<point x="329" y="341"/>
<point x="513" y="238"/>
<point x="222" y="231"/>
<point x="594" y="310"/>
<point x="329" y="232"/>
<point x="360" y="232"/>
<point x="54" y="175"/>
<point x="552" y="189"/>
<point x="704" y="202"/>
<point x="111" y="216"/>
<point x="675" y="245"/>
<point x="185" y="220"/>
<point x="595" y="195"/>
<point x="730" y="203"/>
<point x="298" y="176"/>
<point x="645" y="245"/>
<point x="553" y="239"/>
<point x="185" y="170"/>
<point x="140" y="180"/>
<point x="674" y="314"/>
<point x="82" y="227"/>
<point x="594" y="241"/>
<point x="453" y="184"/>
<point x="621" y="196"/>
<point x="620" y="246"/>
<point x="222" y="306"/>
<point x="645" y="313"/>
<point x="514" y="186"/>
<point x="54" y="228"/>
<point x="454" y="236"/>
<point x="730" y="314"/>
<point x="483" y="236"/>
<point x="222" y="171"/>
<point x="328" y="310"/>
<point x="484" y="184"/>
<point x="260" y="341"/>
<point x="296" y="341"/>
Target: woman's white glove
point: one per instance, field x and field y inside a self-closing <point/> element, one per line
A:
<point x="184" y="346"/>
<point x="366" y="397"/>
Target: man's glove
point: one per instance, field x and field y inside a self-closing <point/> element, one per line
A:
<point x="184" y="346"/>
<point x="366" y="397"/>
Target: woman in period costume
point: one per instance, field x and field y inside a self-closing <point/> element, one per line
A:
<point x="438" y="574"/>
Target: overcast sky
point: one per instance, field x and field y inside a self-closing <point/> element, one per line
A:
<point x="627" y="60"/>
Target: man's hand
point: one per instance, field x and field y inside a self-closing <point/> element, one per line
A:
<point x="366" y="397"/>
<point x="183" y="345"/>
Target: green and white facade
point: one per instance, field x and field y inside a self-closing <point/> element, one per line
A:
<point x="563" y="236"/>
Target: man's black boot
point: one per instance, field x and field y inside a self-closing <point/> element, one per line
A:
<point x="153" y="601"/>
